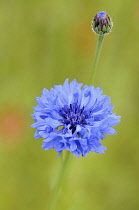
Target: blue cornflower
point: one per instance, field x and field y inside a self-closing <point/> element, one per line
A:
<point x="74" y="118"/>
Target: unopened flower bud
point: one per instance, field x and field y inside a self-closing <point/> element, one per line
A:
<point x="102" y="23"/>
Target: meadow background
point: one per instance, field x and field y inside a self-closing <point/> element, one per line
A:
<point x="43" y="42"/>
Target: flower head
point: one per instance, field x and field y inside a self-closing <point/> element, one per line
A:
<point x="102" y="23"/>
<point x="75" y="118"/>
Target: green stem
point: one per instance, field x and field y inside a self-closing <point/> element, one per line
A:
<point x="96" y="58"/>
<point x="56" y="193"/>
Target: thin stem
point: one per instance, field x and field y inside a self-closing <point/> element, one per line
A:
<point x="56" y="193"/>
<point x="96" y="58"/>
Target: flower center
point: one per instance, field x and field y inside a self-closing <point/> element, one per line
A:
<point x="73" y="116"/>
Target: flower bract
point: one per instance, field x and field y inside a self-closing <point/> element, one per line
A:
<point x="74" y="117"/>
<point x="102" y="23"/>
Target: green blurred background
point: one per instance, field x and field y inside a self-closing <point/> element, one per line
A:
<point x="42" y="42"/>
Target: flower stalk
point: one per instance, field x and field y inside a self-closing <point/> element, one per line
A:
<point x="96" y="58"/>
<point x="57" y="190"/>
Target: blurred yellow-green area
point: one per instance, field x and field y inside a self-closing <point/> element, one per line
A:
<point x="43" y="42"/>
